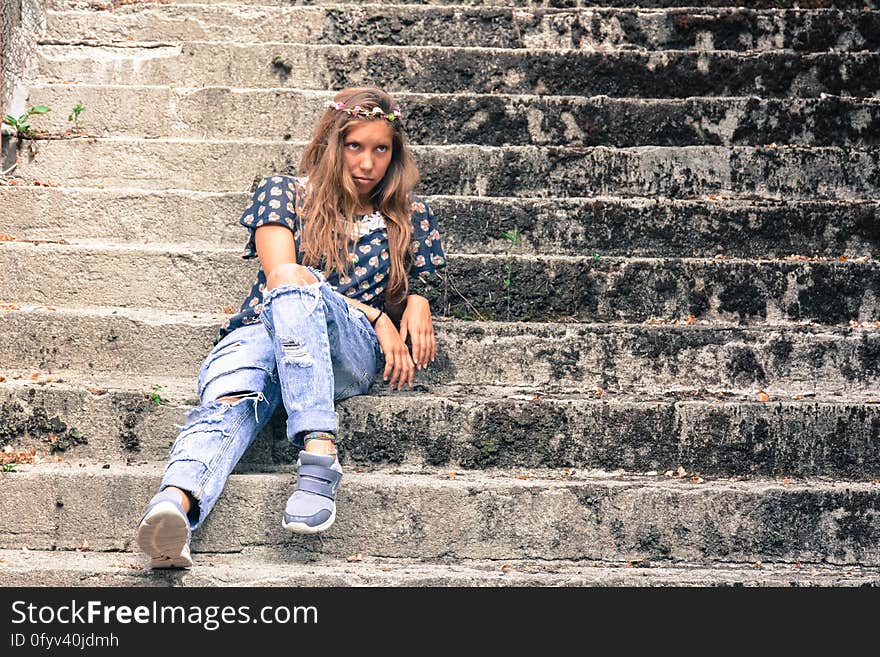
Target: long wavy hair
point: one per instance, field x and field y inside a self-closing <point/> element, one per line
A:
<point x="332" y="198"/>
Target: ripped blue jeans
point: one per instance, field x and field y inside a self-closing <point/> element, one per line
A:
<point x="309" y="350"/>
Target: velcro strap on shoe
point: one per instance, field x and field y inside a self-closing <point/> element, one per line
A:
<point x="322" y="488"/>
<point x="321" y="472"/>
<point x="318" y="479"/>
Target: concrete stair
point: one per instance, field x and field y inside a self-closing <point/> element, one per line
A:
<point x="483" y="119"/>
<point x="482" y="27"/>
<point x="86" y="568"/>
<point x="680" y="386"/>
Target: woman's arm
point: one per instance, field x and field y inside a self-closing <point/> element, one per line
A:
<point x="368" y="310"/>
<point x="275" y="246"/>
<point x="399" y="363"/>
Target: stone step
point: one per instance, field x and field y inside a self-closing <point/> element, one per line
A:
<point x="541" y="288"/>
<point x="71" y="568"/>
<point x="483" y="119"/>
<point x="550" y="357"/>
<point x="425" y="513"/>
<point x="609" y="226"/>
<point x="786" y="172"/>
<point x="112" y="419"/>
<point x="496" y="27"/>
<point x="858" y="5"/>
<point x="665" y="74"/>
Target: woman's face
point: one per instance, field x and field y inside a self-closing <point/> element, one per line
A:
<point x="368" y="147"/>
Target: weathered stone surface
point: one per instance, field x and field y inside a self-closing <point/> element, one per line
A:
<point x="720" y="435"/>
<point x="507" y="27"/>
<point x="548" y="288"/>
<point x="20" y="24"/>
<point x="605" y="290"/>
<point x="544" y="425"/>
<point x="609" y="226"/>
<point x="554" y="357"/>
<point x="647" y="4"/>
<point x="511" y="171"/>
<point x="482" y="119"/>
<point x="474" y="516"/>
<point x="77" y="568"/>
<point x="665" y="74"/>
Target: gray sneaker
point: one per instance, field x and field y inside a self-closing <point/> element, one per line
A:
<point x="163" y="532"/>
<point x="312" y="507"/>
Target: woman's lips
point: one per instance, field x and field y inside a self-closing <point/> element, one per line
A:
<point x="358" y="178"/>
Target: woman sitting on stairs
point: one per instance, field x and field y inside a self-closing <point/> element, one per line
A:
<point x="343" y="250"/>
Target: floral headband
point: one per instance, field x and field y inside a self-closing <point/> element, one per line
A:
<point x="357" y="110"/>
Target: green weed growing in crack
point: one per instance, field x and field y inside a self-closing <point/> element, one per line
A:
<point x="156" y="396"/>
<point x="78" y="109"/>
<point x="9" y="467"/>
<point x="22" y="124"/>
<point x="511" y="236"/>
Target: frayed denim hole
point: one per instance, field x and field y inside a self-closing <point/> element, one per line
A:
<point x="207" y="436"/>
<point x="256" y="397"/>
<point x="296" y="354"/>
<point x="197" y="439"/>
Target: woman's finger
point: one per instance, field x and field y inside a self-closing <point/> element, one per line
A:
<point x="418" y="342"/>
<point x="399" y="374"/>
<point x="389" y="364"/>
<point x="405" y="371"/>
<point x="430" y="349"/>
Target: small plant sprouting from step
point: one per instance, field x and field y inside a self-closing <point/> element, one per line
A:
<point x="595" y="255"/>
<point x="22" y="124"/>
<point x="78" y="109"/>
<point x="9" y="467"/>
<point x="156" y="395"/>
<point x="511" y="236"/>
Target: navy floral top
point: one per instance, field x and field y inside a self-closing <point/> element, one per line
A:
<point x="278" y="199"/>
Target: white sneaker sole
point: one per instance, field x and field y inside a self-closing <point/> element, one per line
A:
<point x="302" y="528"/>
<point x="162" y="536"/>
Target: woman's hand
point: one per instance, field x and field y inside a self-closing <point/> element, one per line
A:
<point x="416" y="322"/>
<point x="397" y="359"/>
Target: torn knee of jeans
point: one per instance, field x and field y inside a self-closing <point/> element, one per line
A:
<point x="203" y="415"/>
<point x="297" y="353"/>
<point x="237" y="398"/>
<point x="234" y="398"/>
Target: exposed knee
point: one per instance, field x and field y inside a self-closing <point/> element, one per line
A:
<point x="289" y="274"/>
<point x="235" y="397"/>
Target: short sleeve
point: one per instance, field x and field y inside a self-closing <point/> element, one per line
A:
<point x="427" y="251"/>
<point x="274" y="201"/>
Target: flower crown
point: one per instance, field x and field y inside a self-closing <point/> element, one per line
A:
<point x="357" y="110"/>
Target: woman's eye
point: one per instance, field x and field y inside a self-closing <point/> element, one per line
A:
<point x="382" y="148"/>
<point x="351" y="145"/>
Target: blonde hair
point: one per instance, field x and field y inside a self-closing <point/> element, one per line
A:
<point x="332" y="198"/>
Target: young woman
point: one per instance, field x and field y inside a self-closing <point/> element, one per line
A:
<point x="344" y="251"/>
